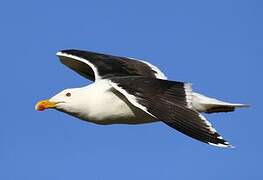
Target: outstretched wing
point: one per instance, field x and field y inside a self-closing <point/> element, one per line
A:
<point x="169" y="102"/>
<point x="95" y="66"/>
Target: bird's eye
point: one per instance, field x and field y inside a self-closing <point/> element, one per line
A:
<point x="68" y="94"/>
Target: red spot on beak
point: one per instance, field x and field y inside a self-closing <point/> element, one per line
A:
<point x="45" y="104"/>
<point x="41" y="107"/>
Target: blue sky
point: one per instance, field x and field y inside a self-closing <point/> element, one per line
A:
<point x="216" y="45"/>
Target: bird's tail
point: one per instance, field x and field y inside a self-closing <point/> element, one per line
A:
<point x="206" y="104"/>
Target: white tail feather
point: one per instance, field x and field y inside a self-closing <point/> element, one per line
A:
<point x="203" y="103"/>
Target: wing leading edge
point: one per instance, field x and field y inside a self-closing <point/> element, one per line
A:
<point x="95" y="66"/>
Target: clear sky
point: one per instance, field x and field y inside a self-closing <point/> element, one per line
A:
<point x="216" y="45"/>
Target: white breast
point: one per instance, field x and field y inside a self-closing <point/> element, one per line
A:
<point x="104" y="105"/>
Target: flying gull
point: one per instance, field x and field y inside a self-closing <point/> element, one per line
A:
<point x="131" y="91"/>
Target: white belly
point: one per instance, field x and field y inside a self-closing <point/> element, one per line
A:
<point x="108" y="106"/>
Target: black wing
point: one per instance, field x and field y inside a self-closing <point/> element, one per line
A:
<point x="169" y="102"/>
<point x="100" y="66"/>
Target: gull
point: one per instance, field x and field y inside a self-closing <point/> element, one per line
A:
<point x="132" y="91"/>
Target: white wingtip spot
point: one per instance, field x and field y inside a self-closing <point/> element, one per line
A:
<point x="213" y="130"/>
<point x="226" y="145"/>
<point x="220" y="137"/>
<point x="59" y="53"/>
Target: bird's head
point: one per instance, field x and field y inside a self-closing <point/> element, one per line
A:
<point x="67" y="101"/>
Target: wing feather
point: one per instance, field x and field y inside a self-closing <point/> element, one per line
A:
<point x="167" y="101"/>
<point x="95" y="66"/>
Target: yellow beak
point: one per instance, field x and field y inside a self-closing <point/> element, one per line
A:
<point x="45" y="104"/>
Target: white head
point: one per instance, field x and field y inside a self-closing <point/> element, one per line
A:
<point x="70" y="101"/>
